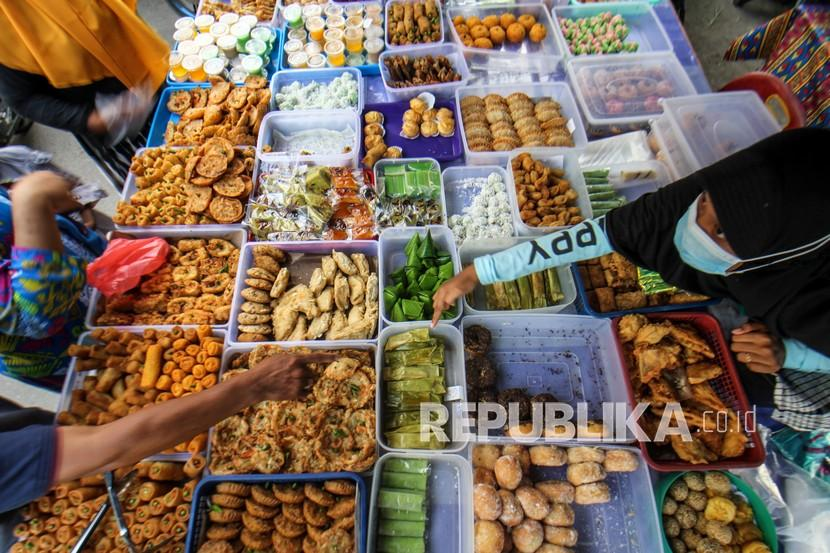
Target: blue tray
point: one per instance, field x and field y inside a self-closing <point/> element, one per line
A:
<point x="366" y="70"/>
<point x="205" y="488"/>
<point x="162" y="115"/>
<point x="584" y="307"/>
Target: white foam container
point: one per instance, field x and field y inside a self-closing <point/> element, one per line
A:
<point x="527" y="57"/>
<point x="454" y="376"/>
<point x="714" y="126"/>
<point x="672" y="151"/>
<point x="389" y="45"/>
<point x="322" y="76"/>
<point x="470" y="250"/>
<point x="559" y="92"/>
<point x="392" y="257"/>
<point x="436" y="166"/>
<point x="296" y="250"/>
<point x="573" y="174"/>
<point x="442" y="90"/>
<point x="450" y="502"/>
<point x="629" y="523"/>
<point x="235" y="235"/>
<point x="291" y="122"/>
<point x="456" y="198"/>
<point x="573" y="357"/>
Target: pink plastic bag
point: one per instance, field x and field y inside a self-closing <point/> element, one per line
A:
<point x="124" y="262"/>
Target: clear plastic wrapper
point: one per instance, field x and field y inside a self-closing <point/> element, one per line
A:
<point x="623" y="148"/>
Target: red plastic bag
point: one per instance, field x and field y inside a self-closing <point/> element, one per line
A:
<point x="124" y="262"/>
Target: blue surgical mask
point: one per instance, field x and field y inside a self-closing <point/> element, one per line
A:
<point x="697" y="249"/>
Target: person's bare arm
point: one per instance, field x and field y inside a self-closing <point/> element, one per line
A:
<point x="84" y="450"/>
<point x="36" y="198"/>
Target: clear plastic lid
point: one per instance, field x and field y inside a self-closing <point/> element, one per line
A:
<point x="626" y="89"/>
<point x="718" y="125"/>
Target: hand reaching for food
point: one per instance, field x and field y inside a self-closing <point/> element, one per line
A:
<point x="460" y="285"/>
<point x="756" y="347"/>
<point x="285" y="377"/>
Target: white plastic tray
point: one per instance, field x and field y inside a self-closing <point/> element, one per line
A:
<point x="442" y="90"/>
<point x="470" y="250"/>
<point x="559" y="92"/>
<point x="236" y="235"/>
<point x="450" y="502"/>
<point x="392" y="257"/>
<point x="389" y="45"/>
<point x="322" y="76"/>
<point x="573" y="173"/>
<point x="573" y="357"/>
<point x="291" y="122"/>
<point x="527" y="57"/>
<point x="437" y="167"/>
<point x="456" y="199"/>
<point x="297" y="250"/>
<point x="454" y="377"/>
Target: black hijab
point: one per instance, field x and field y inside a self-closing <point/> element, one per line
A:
<point x="771" y="197"/>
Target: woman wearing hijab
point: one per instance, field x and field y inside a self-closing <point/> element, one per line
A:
<point x="86" y="67"/>
<point x="753" y="228"/>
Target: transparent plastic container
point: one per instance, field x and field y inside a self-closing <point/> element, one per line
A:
<point x="300" y="270"/>
<point x="476" y="305"/>
<point x="392" y="258"/>
<point x="322" y="76"/>
<point x="528" y="56"/>
<point x="631" y="190"/>
<point x="454" y="378"/>
<point x="644" y="27"/>
<point x="272" y="22"/>
<point x="277" y="126"/>
<point x="559" y="92"/>
<point x="620" y="93"/>
<point x="377" y="172"/>
<point x="457" y="198"/>
<point x="629" y="523"/>
<point x="670" y="149"/>
<point x="573" y="357"/>
<point x="450" y="502"/>
<point x="389" y="45"/>
<point x="442" y="90"/>
<point x="235" y="235"/>
<point x="567" y="159"/>
<point x="715" y="126"/>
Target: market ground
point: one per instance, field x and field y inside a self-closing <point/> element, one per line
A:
<point x="711" y="25"/>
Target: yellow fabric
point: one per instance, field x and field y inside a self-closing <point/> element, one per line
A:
<point x="77" y="42"/>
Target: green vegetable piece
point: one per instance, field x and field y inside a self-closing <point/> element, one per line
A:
<point x="608" y="204"/>
<point x="394" y="514"/>
<point x="399" y="464"/>
<point x="395" y="186"/>
<point x="432" y="271"/>
<point x="449" y="313"/>
<point x="423" y="385"/>
<point x="389" y="498"/>
<point x="404" y="480"/>
<point x="537" y="285"/>
<point x="511" y="288"/>
<point x="395" y="169"/>
<point x="401" y="528"/>
<point x="413" y="261"/>
<point x="596" y="180"/>
<point x="446" y="271"/>
<point x="398" y="276"/>
<point x="427" y="282"/>
<point x="412" y="336"/>
<point x="427" y="247"/>
<point x="600" y="196"/>
<point x="412" y="372"/>
<point x="397" y="544"/>
<point x="554" y="289"/>
<point x="397" y="313"/>
<point x="413" y="310"/>
<point x="413" y="440"/>
<point x="413" y="244"/>
<point x="525" y="292"/>
<point x="390" y="296"/>
<point x="500" y="301"/>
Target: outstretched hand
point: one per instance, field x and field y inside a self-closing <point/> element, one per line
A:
<point x="285" y="377"/>
<point x="445" y="297"/>
<point x="756" y="347"/>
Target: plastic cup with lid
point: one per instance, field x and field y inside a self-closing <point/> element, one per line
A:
<point x="355" y="60"/>
<point x="292" y="46"/>
<point x="298" y="60"/>
<point x="333" y="34"/>
<point x="204" y="39"/>
<point x="354" y="40"/>
<point x="227" y="44"/>
<point x="228" y="18"/>
<point x="256" y="47"/>
<point x="188" y="48"/>
<point x="373" y="47"/>
<point x="249" y="20"/>
<point x="373" y="19"/>
<point x="298" y="34"/>
<point x="252" y="64"/>
<point x="265" y="34"/>
<point x="317" y="61"/>
<point x="315" y="27"/>
<point x="336" y="22"/>
<point x="334" y="53"/>
<point x="354" y="10"/>
<point x="204" y="21"/>
<point x="176" y="70"/>
<point x="354" y="21"/>
<point x="219" y="29"/>
<point x="237" y="74"/>
<point x="184" y="34"/>
<point x="312" y="10"/>
<point x="193" y="66"/>
<point x="184" y="23"/>
<point x="209" y="52"/>
<point x="372" y="8"/>
<point x="242" y="34"/>
<point x="312" y="48"/>
<point x="293" y="15"/>
<point x="333" y="10"/>
<point x="373" y="31"/>
<point x="215" y="67"/>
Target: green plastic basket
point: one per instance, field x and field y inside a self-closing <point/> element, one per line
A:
<point x="762" y="516"/>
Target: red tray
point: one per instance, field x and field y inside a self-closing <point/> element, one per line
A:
<point x="727" y="386"/>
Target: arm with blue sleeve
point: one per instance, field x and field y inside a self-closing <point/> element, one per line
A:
<point x="800" y="357"/>
<point x="586" y="240"/>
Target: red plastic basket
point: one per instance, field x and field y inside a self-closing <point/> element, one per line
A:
<point x="727" y="386"/>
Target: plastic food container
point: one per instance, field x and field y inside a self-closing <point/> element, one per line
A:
<point x="762" y="516"/>
<point x="272" y="21"/>
<point x="442" y="90"/>
<point x="470" y="250"/>
<point x="440" y="148"/>
<point x="162" y="115"/>
<point x="634" y="189"/>
<point x="619" y="94"/>
<point x="277" y="126"/>
<point x="571" y="356"/>
<point x="206" y="487"/>
<point x="559" y="92"/>
<point x="727" y="386"/>
<point x="671" y="150"/>
<point x="382" y="163"/>
<point x="454" y="377"/>
<point x="629" y="523"/>
<point x="715" y="126"/>
<point x="236" y="235"/>
<point x="573" y="173"/>
<point x="526" y="57"/>
<point x="75" y="380"/>
<point x="322" y="76"/>
<point x="392" y="257"/>
<point x="644" y="27"/>
<point x="456" y="198"/>
<point x="300" y="269"/>
<point x="450" y="491"/>
<point x="388" y="7"/>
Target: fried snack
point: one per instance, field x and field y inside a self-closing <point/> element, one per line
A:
<point x="407" y="72"/>
<point x="262" y="9"/>
<point x="544" y="196"/>
<point x="589" y="494"/>
<point x="413" y="22"/>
